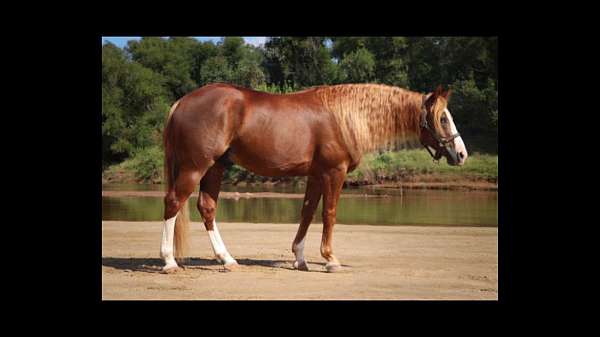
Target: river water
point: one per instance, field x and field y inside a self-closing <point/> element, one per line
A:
<point x="391" y="207"/>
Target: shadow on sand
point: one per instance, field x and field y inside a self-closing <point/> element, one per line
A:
<point x="152" y="265"/>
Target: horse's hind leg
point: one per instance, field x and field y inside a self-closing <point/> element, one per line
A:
<point x="210" y="185"/>
<point x="311" y="201"/>
<point x="175" y="199"/>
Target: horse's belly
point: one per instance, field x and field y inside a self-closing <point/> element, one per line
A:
<point x="270" y="162"/>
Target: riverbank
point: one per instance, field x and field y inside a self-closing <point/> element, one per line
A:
<point x="279" y="195"/>
<point x="399" y="262"/>
<point x="229" y="195"/>
<point x="411" y="169"/>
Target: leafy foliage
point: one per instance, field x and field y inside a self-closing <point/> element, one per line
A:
<point x="216" y="69"/>
<point x="134" y="101"/>
<point x="476" y="111"/>
<point x="141" y="81"/>
<point x="359" y="66"/>
<point x="303" y="61"/>
<point x="147" y="164"/>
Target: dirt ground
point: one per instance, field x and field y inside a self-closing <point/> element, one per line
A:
<point x="379" y="262"/>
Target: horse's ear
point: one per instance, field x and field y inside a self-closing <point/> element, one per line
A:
<point x="434" y="95"/>
<point x="446" y="94"/>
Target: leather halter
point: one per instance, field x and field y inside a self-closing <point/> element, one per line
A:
<point x="442" y="141"/>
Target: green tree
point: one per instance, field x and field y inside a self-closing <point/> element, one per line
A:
<point x="389" y="54"/>
<point x="232" y="47"/>
<point x="174" y="58"/>
<point x="464" y="58"/>
<point x="359" y="66"/>
<point x="114" y="63"/>
<point x="247" y="71"/>
<point x="444" y="60"/>
<point x="301" y="61"/>
<point x="249" y="74"/>
<point x="344" y="45"/>
<point x="423" y="72"/>
<point x="215" y="69"/>
<point x="133" y="105"/>
<point x="475" y="111"/>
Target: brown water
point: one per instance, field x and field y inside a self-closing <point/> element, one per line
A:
<point x="393" y="207"/>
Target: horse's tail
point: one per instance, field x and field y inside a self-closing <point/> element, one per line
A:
<point x="182" y="224"/>
<point x="182" y="228"/>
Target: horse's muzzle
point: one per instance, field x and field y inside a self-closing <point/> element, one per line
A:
<point x="454" y="158"/>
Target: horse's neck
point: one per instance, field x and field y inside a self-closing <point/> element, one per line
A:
<point x="373" y="117"/>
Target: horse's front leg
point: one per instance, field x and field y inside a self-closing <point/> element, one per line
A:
<point x="311" y="201"/>
<point x="332" y="183"/>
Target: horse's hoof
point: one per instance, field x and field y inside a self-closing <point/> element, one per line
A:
<point x="231" y="266"/>
<point x="301" y="266"/>
<point x="333" y="267"/>
<point x="171" y="270"/>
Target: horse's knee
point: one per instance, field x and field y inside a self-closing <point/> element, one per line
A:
<point x="171" y="205"/>
<point x="329" y="215"/>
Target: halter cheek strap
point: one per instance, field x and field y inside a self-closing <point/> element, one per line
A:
<point x="435" y="156"/>
<point x="442" y="141"/>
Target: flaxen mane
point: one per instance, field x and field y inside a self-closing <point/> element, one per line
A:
<point x="373" y="116"/>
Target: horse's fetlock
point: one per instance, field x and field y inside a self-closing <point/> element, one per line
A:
<point x="166" y="252"/>
<point x="326" y="251"/>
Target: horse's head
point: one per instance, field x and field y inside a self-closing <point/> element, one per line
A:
<point x="438" y="130"/>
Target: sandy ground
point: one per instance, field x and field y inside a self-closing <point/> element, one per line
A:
<point x="379" y="262"/>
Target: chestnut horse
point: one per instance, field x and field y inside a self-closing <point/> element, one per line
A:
<point x="321" y="132"/>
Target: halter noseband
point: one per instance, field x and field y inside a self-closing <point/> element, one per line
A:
<point x="442" y="141"/>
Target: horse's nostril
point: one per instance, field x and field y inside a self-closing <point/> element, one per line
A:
<point x="461" y="155"/>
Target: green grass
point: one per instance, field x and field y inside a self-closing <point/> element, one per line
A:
<point x="415" y="164"/>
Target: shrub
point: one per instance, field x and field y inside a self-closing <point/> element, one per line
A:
<point x="275" y="89"/>
<point x="147" y="164"/>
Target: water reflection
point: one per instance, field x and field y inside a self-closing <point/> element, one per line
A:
<point x="408" y="207"/>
